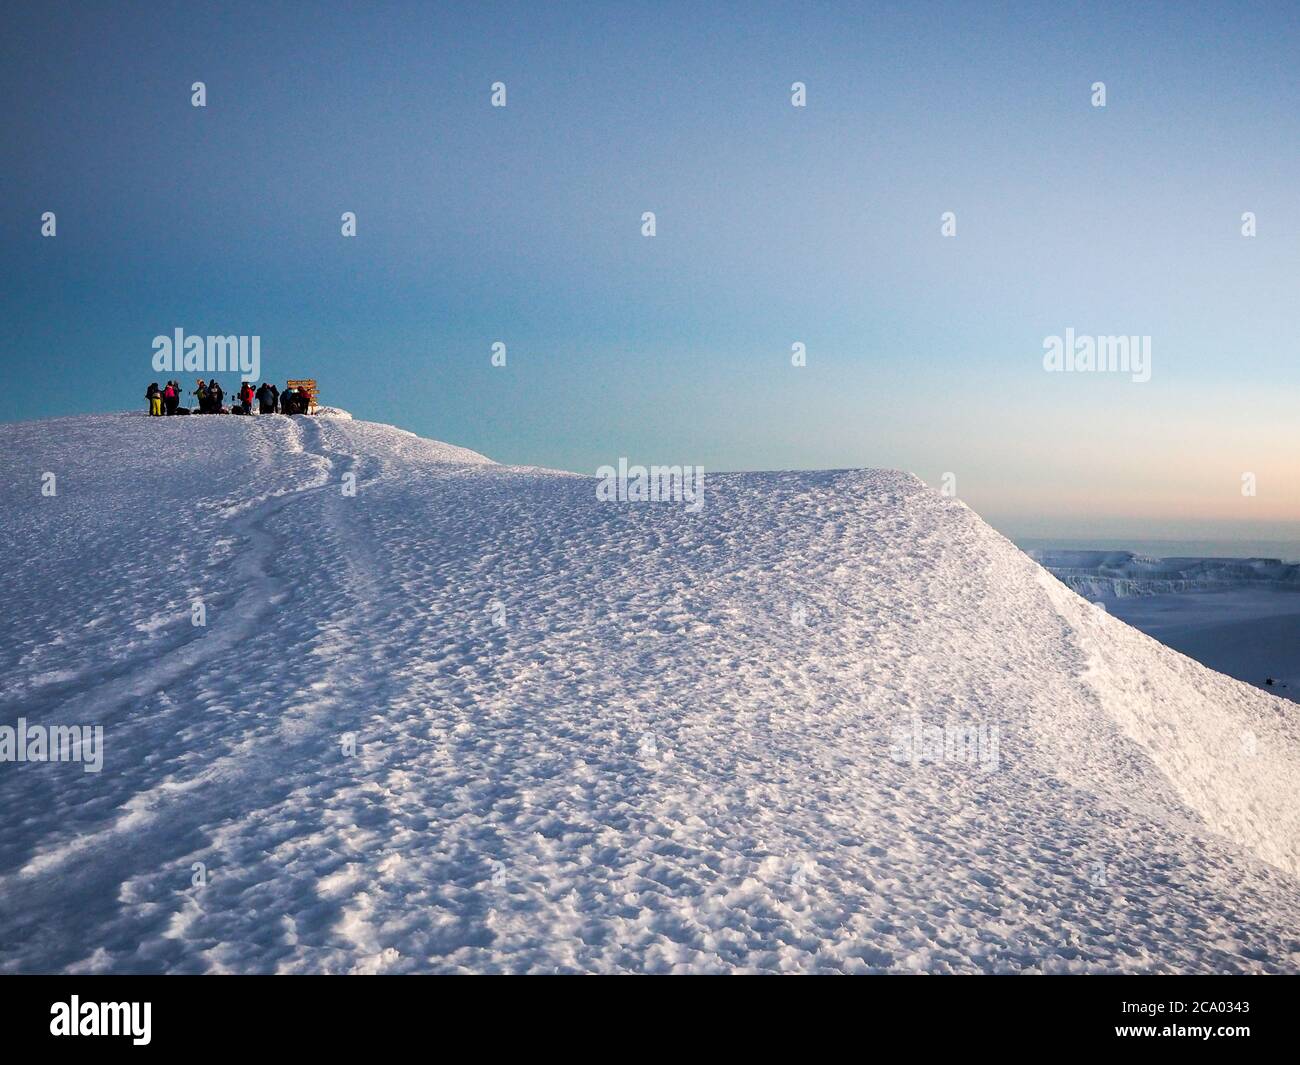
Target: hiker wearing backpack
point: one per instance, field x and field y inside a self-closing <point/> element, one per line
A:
<point x="215" y="396"/>
<point x="154" y="396"/>
<point x="265" y="400"/>
<point x="170" y="398"/>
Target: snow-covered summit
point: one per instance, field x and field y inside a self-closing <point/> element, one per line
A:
<point x="471" y="717"/>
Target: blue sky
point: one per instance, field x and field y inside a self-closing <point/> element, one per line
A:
<point x="775" y="225"/>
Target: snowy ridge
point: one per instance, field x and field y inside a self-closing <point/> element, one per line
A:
<point x="1232" y="760"/>
<point x="595" y="736"/>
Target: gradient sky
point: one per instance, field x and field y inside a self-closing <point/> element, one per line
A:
<point x="775" y="225"/>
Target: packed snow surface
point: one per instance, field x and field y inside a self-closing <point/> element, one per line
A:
<point x="471" y="717"/>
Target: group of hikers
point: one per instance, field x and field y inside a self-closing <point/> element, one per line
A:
<point x="270" y="400"/>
